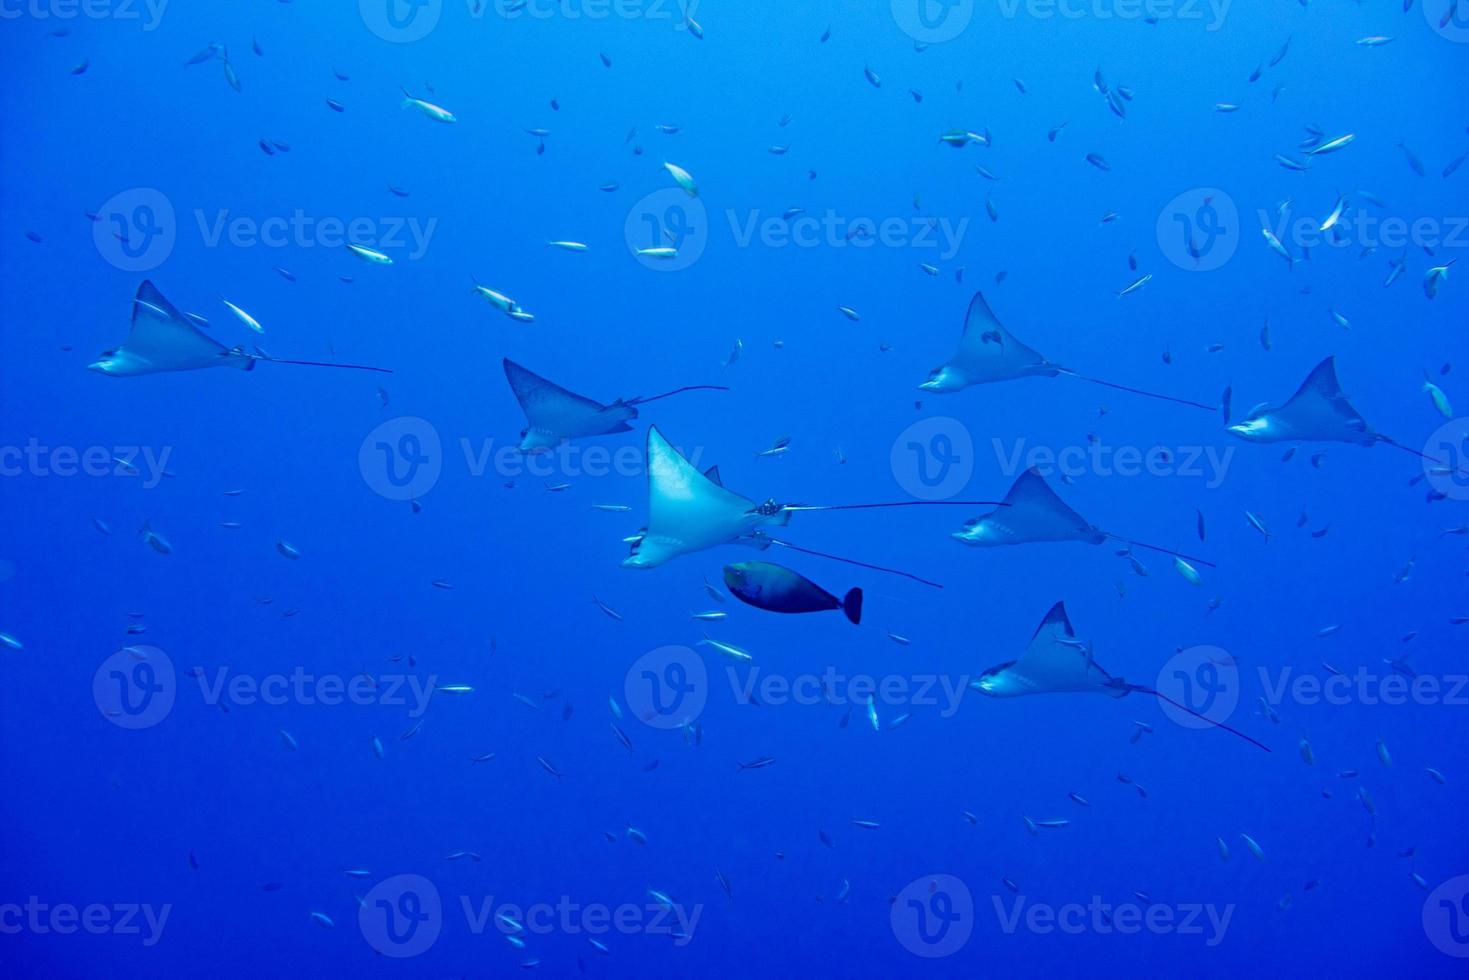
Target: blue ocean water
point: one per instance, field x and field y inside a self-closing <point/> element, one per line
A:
<point x="266" y="775"/>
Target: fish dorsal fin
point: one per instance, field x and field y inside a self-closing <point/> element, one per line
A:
<point x="712" y="475"/>
<point x="1318" y="412"/>
<point x="166" y="339"/>
<point x="1032" y="512"/>
<point x="989" y="352"/>
<point x="1054" y="662"/>
<point x="547" y="405"/>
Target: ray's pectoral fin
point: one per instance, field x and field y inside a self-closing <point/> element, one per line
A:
<point x="1031" y="511"/>
<point x="161" y="338"/>
<point x="1319" y="411"/>
<point x="987" y="353"/>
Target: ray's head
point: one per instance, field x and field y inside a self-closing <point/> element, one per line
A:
<point x="536" y="441"/>
<point x="943" y="379"/>
<point x="977" y="532"/>
<point x="1261" y="427"/>
<point x="996" y="682"/>
<point x="113" y="362"/>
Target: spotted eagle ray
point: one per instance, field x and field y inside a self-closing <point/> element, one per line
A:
<point x="1056" y="662"/>
<point x="1034" y="512"/>
<point x="1318" y="412"/>
<point x="989" y="353"/>
<point x="689" y="511"/>
<point x="553" y="414"/>
<point x="163" y="339"/>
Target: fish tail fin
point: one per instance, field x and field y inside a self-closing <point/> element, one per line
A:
<point x="408" y="99"/>
<point x="852" y="606"/>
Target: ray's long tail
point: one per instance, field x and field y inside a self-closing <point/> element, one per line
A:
<point x="676" y="391"/>
<point x="1216" y="724"/>
<point x="328" y="364"/>
<point x="853" y="561"/>
<point x="1138" y="391"/>
<point x="898" y="503"/>
<point x="1163" y="551"/>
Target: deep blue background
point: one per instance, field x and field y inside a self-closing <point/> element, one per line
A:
<point x="94" y="813"/>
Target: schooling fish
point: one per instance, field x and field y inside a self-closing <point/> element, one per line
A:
<point x="778" y="589"/>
